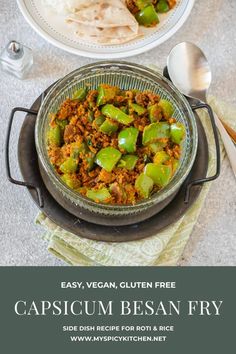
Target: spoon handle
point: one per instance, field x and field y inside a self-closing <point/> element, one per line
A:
<point x="230" y="131"/>
<point x="228" y="144"/>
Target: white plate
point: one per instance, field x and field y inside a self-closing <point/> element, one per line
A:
<point x="54" y="30"/>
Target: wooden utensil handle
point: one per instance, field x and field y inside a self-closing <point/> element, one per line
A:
<point x="228" y="144"/>
<point x="230" y="131"/>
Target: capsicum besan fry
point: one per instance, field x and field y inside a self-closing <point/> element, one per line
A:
<point x="113" y="145"/>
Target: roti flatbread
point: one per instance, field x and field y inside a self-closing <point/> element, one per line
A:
<point x="104" y="21"/>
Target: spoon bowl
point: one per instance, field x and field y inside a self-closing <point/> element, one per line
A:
<point x="189" y="70"/>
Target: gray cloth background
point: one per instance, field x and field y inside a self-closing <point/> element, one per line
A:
<point x="212" y="26"/>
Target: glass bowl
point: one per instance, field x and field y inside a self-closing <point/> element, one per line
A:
<point x="126" y="76"/>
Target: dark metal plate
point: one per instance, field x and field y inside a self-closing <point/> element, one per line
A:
<point x="28" y="162"/>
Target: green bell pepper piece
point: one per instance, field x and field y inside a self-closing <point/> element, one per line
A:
<point x="128" y="161"/>
<point x="160" y="174"/>
<point x="77" y="148"/>
<point x="70" y="181"/>
<point x="98" y="122"/>
<point x="80" y="94"/>
<point x="155" y="131"/>
<point x="98" y="195"/>
<point x="115" y="113"/>
<point x="144" y="185"/>
<point x="62" y="123"/>
<point x="90" y="160"/>
<point x="108" y="127"/>
<point x="155" y="147"/>
<point x="105" y="94"/>
<point x="162" y="6"/>
<point x="147" y="16"/>
<point x="82" y="150"/>
<point x="142" y="3"/>
<point x="107" y="158"/>
<point x="69" y="166"/>
<point x="177" y="132"/>
<point x="167" y="108"/>
<point x="161" y="157"/>
<point x="138" y="109"/>
<point x="154" y="113"/>
<point x="127" y="139"/>
<point x="55" y="136"/>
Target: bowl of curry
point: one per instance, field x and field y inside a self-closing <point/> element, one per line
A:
<point x="117" y="140"/>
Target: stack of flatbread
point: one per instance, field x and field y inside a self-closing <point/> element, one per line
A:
<point x="99" y="21"/>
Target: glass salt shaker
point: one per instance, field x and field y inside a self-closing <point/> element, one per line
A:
<point x="16" y="59"/>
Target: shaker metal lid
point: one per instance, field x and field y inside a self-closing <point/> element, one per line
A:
<point x="15" y="50"/>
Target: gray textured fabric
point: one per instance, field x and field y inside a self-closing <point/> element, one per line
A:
<point x="213" y="241"/>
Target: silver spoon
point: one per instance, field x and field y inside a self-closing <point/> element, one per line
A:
<point x="190" y="72"/>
